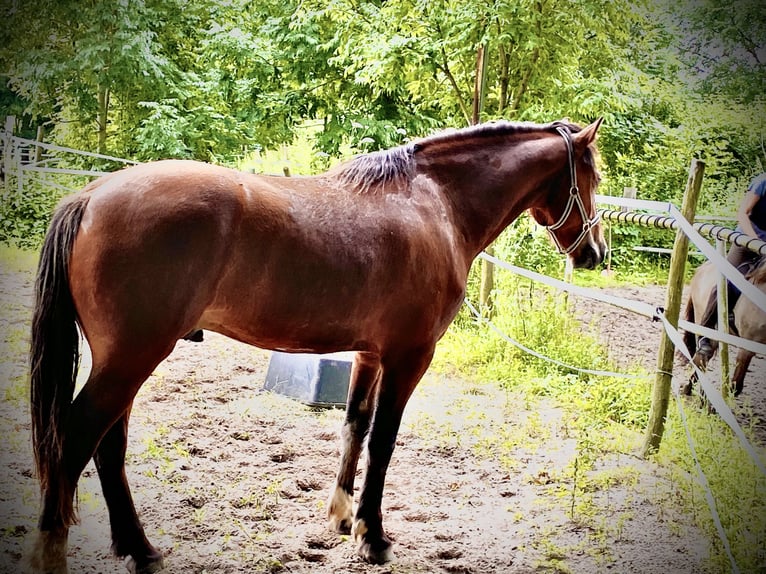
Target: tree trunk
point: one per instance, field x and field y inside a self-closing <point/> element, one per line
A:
<point x="487" y="268"/>
<point x="504" y="79"/>
<point x="103" y="115"/>
<point x="479" y="84"/>
<point x="524" y="84"/>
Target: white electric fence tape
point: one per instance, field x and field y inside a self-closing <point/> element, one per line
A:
<point x="713" y="395"/>
<point x="526" y="349"/>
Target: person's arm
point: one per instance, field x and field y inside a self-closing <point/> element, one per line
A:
<point x="745" y="209"/>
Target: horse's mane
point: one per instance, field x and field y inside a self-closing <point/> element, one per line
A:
<point x="372" y="172"/>
<point x="377" y="170"/>
<point x="499" y="128"/>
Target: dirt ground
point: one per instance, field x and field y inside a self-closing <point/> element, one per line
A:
<point x="634" y="339"/>
<point x="228" y="478"/>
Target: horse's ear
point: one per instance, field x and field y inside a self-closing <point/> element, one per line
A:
<point x="587" y="135"/>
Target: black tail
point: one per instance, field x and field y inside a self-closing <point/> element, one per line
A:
<point x="690" y="339"/>
<point x="54" y="352"/>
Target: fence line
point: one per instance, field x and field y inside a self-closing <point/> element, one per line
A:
<point x="657" y="313"/>
<point x="716" y="400"/>
<point x="674" y="219"/>
<point x="51" y="147"/>
<point x="645" y="309"/>
<point x="667" y="222"/>
<point x="732" y="274"/>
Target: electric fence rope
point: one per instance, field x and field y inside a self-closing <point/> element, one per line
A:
<point x="534" y="353"/>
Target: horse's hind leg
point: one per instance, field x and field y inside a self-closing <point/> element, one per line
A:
<point x="740" y="370"/>
<point x="105" y="398"/>
<point x="128" y="538"/>
<point x="364" y="377"/>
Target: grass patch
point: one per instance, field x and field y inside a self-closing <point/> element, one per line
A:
<point x="737" y="485"/>
<point x="17" y="260"/>
<point x="608" y="416"/>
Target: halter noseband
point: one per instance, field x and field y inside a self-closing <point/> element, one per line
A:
<point x="574" y="199"/>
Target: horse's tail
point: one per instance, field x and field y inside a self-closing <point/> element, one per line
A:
<point x="690" y="339"/>
<point x="54" y="350"/>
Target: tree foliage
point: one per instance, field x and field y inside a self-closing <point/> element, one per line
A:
<point x="214" y="80"/>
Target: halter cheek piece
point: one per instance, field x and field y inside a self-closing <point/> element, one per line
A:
<point x="574" y="199"/>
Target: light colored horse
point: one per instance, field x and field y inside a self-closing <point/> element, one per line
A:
<point x="749" y="319"/>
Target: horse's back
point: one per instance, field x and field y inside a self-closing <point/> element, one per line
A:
<point x="175" y="245"/>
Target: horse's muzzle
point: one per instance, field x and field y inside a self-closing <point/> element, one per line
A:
<point x="589" y="256"/>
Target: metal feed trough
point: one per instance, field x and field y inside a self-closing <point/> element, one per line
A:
<point x="316" y="380"/>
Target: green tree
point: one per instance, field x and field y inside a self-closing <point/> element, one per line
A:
<point x="81" y="61"/>
<point x="723" y="45"/>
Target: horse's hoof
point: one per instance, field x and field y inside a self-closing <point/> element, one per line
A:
<point x="152" y="566"/>
<point x="341" y="526"/>
<point x="686" y="389"/>
<point x="372" y="549"/>
<point x="47" y="553"/>
<point x="339" y="511"/>
<point x="701" y="361"/>
<point x="376" y="552"/>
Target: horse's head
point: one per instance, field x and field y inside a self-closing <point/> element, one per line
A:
<point x="569" y="212"/>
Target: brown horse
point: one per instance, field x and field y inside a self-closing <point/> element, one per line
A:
<point x="372" y="256"/>
<point x="749" y="319"/>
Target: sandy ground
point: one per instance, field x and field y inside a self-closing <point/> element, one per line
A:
<point x="228" y="478"/>
<point x="634" y="339"/>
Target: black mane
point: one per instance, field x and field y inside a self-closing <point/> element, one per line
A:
<point x="394" y="167"/>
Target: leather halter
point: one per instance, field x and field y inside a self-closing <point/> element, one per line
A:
<point x="574" y="200"/>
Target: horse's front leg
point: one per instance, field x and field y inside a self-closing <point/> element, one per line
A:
<point x="398" y="380"/>
<point x="365" y="374"/>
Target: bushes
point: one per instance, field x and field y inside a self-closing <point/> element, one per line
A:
<point x="25" y="213"/>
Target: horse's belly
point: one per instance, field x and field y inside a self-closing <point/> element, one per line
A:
<point x="319" y="321"/>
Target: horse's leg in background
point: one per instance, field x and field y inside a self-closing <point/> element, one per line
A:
<point x="128" y="538"/>
<point x="740" y="370"/>
<point x="365" y="373"/>
<point x="398" y="380"/>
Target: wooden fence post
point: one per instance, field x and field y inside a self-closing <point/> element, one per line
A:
<point x="38" y="149"/>
<point x="664" y="376"/>
<point x="10" y="123"/>
<point x="723" y="321"/>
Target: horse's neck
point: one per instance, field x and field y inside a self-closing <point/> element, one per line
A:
<point x="489" y="188"/>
